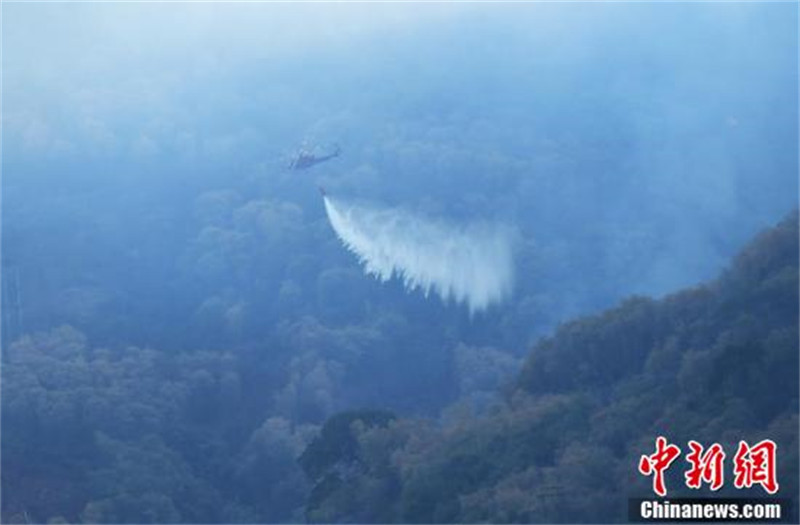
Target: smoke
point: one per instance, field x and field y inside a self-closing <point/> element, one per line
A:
<point x="469" y="264"/>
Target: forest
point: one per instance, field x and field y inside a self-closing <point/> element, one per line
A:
<point x="142" y="436"/>
<point x="713" y="363"/>
<point x="187" y="336"/>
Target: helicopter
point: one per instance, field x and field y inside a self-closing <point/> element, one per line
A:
<point x="306" y="158"/>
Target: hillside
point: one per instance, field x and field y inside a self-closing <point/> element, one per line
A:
<point x="714" y="363"/>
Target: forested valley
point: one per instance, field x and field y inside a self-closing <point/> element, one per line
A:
<point x="204" y="322"/>
<point x="140" y="435"/>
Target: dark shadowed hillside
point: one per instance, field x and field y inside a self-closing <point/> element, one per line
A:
<point x="715" y="363"/>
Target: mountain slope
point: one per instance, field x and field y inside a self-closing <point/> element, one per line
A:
<point x="715" y="363"/>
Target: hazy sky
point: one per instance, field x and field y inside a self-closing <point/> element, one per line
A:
<point x="672" y="123"/>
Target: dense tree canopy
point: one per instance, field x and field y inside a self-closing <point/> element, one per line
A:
<point x="185" y="339"/>
<point x="715" y="363"/>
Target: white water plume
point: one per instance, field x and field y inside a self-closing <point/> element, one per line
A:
<point x="469" y="264"/>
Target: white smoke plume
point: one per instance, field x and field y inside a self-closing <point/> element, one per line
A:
<point x="470" y="264"/>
